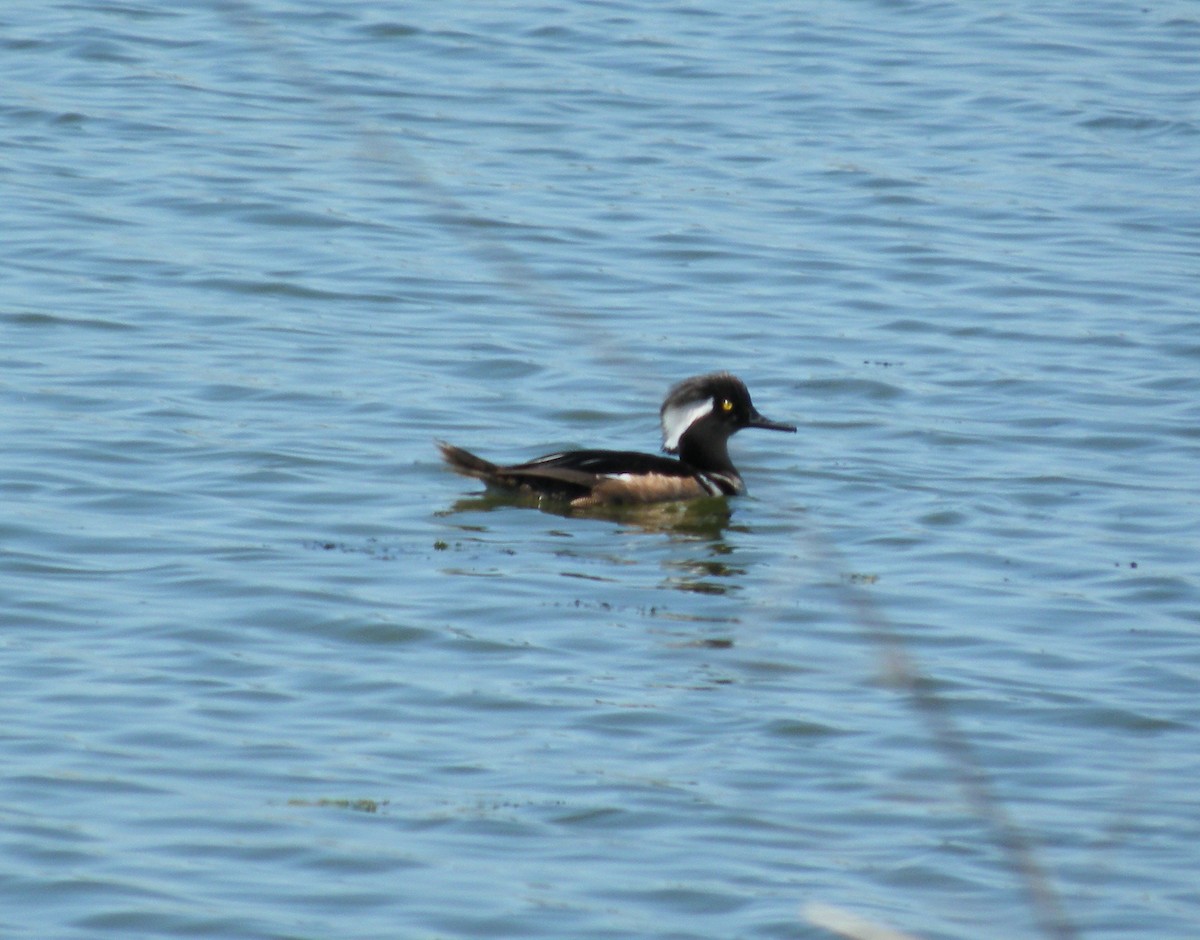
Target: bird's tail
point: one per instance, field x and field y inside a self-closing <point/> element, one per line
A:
<point x="466" y="463"/>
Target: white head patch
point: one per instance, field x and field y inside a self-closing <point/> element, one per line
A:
<point x="676" y="419"/>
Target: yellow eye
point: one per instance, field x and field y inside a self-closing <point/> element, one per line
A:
<point x="726" y="405"/>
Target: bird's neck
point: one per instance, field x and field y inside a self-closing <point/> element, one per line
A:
<point x="707" y="452"/>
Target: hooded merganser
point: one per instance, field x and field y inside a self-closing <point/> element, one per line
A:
<point x="698" y="417"/>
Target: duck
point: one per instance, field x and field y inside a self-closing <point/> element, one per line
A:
<point x="698" y="417"/>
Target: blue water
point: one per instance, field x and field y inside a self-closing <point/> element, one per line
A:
<point x="270" y="671"/>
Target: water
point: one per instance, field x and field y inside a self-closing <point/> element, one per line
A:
<point x="270" y="671"/>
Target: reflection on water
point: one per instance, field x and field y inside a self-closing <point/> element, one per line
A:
<point x="700" y="524"/>
<point x="704" y="576"/>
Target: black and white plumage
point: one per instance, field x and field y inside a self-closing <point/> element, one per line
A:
<point x="698" y="417"/>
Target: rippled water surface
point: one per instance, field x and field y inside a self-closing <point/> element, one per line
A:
<point x="271" y="671"/>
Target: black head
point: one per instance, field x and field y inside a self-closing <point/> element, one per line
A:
<point x="705" y="411"/>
